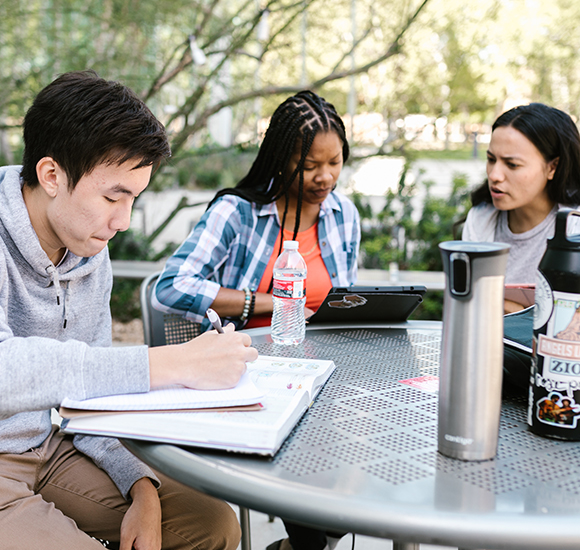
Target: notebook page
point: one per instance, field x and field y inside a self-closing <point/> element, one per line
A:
<point x="174" y="397"/>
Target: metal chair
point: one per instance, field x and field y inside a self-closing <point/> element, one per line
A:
<point x="160" y="329"/>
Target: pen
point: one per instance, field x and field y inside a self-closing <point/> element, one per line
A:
<point x="214" y="319"/>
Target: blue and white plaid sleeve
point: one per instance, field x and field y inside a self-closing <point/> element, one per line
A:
<point x="189" y="280"/>
<point x="355" y="245"/>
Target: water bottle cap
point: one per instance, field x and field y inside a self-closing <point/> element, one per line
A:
<point x="290" y="245"/>
<point x="561" y="239"/>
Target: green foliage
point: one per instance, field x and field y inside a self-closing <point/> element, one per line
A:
<point x="125" y="305"/>
<point x="461" y="60"/>
<point x="465" y="95"/>
<point x="127" y="245"/>
<point x="431" y="308"/>
<point x="436" y="225"/>
<point x="393" y="236"/>
<point x="237" y="66"/>
<point x="130" y="245"/>
<point x="213" y="168"/>
<point x="456" y="153"/>
<point x="384" y="236"/>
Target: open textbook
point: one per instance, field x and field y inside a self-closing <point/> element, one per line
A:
<point x="289" y="386"/>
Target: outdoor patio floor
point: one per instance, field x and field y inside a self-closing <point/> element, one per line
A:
<point x="264" y="532"/>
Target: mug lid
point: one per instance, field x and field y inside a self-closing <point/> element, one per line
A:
<point x="482" y="248"/>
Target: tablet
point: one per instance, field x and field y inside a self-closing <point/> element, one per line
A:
<point x="381" y="304"/>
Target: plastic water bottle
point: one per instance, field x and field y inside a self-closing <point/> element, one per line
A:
<point x="289" y="296"/>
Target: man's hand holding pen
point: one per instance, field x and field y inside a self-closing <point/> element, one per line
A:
<point x="211" y="361"/>
<point x="215" y="320"/>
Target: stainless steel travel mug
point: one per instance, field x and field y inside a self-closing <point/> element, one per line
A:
<point x="470" y="373"/>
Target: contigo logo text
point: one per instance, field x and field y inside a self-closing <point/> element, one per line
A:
<point x="458" y="439"/>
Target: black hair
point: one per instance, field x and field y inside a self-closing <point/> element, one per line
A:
<point x="555" y="136"/>
<point x="294" y="123"/>
<point x="81" y="120"/>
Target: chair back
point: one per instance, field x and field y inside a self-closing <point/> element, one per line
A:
<point x="160" y="329"/>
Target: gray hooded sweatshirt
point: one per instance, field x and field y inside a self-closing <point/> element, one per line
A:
<point x="55" y="340"/>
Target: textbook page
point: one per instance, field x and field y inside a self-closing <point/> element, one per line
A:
<point x="285" y="373"/>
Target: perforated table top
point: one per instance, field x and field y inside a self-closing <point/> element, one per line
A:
<point x="364" y="457"/>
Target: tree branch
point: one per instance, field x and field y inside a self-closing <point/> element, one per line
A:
<point x="200" y="120"/>
<point x="186" y="60"/>
<point x="180" y="206"/>
<point x="165" y="75"/>
<point x="194" y="98"/>
<point x="393" y="49"/>
<point x="349" y="52"/>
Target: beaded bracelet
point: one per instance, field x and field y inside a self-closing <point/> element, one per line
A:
<point x="247" y="302"/>
<point x="252" y="304"/>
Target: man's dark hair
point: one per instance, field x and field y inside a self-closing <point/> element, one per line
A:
<point x="294" y="123"/>
<point x="555" y="136"/>
<point x="81" y="120"/>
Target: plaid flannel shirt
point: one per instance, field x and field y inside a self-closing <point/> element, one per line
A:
<point x="232" y="244"/>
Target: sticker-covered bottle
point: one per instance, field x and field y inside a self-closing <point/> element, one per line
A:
<point x="554" y="400"/>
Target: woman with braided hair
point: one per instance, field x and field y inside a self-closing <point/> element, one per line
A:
<point x="226" y="263"/>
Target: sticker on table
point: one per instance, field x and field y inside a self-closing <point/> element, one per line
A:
<point x="425" y="383"/>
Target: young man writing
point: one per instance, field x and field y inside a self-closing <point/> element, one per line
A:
<point x="90" y="148"/>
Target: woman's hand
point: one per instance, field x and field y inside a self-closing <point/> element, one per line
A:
<point x="141" y="526"/>
<point x="511" y="307"/>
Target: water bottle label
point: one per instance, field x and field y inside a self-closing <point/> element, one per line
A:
<point x="558" y="363"/>
<point x="289" y="289"/>
<point x="544" y="302"/>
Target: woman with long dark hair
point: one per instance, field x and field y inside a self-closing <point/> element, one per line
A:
<point x="226" y="262"/>
<point x="533" y="169"/>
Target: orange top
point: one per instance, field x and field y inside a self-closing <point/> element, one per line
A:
<point x="318" y="281"/>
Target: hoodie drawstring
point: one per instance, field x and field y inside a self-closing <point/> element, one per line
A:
<point x="66" y="300"/>
<point x="51" y="270"/>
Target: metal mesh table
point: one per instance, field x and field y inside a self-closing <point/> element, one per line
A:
<point x="364" y="457"/>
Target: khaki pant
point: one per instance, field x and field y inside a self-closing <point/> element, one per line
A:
<point x="54" y="497"/>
